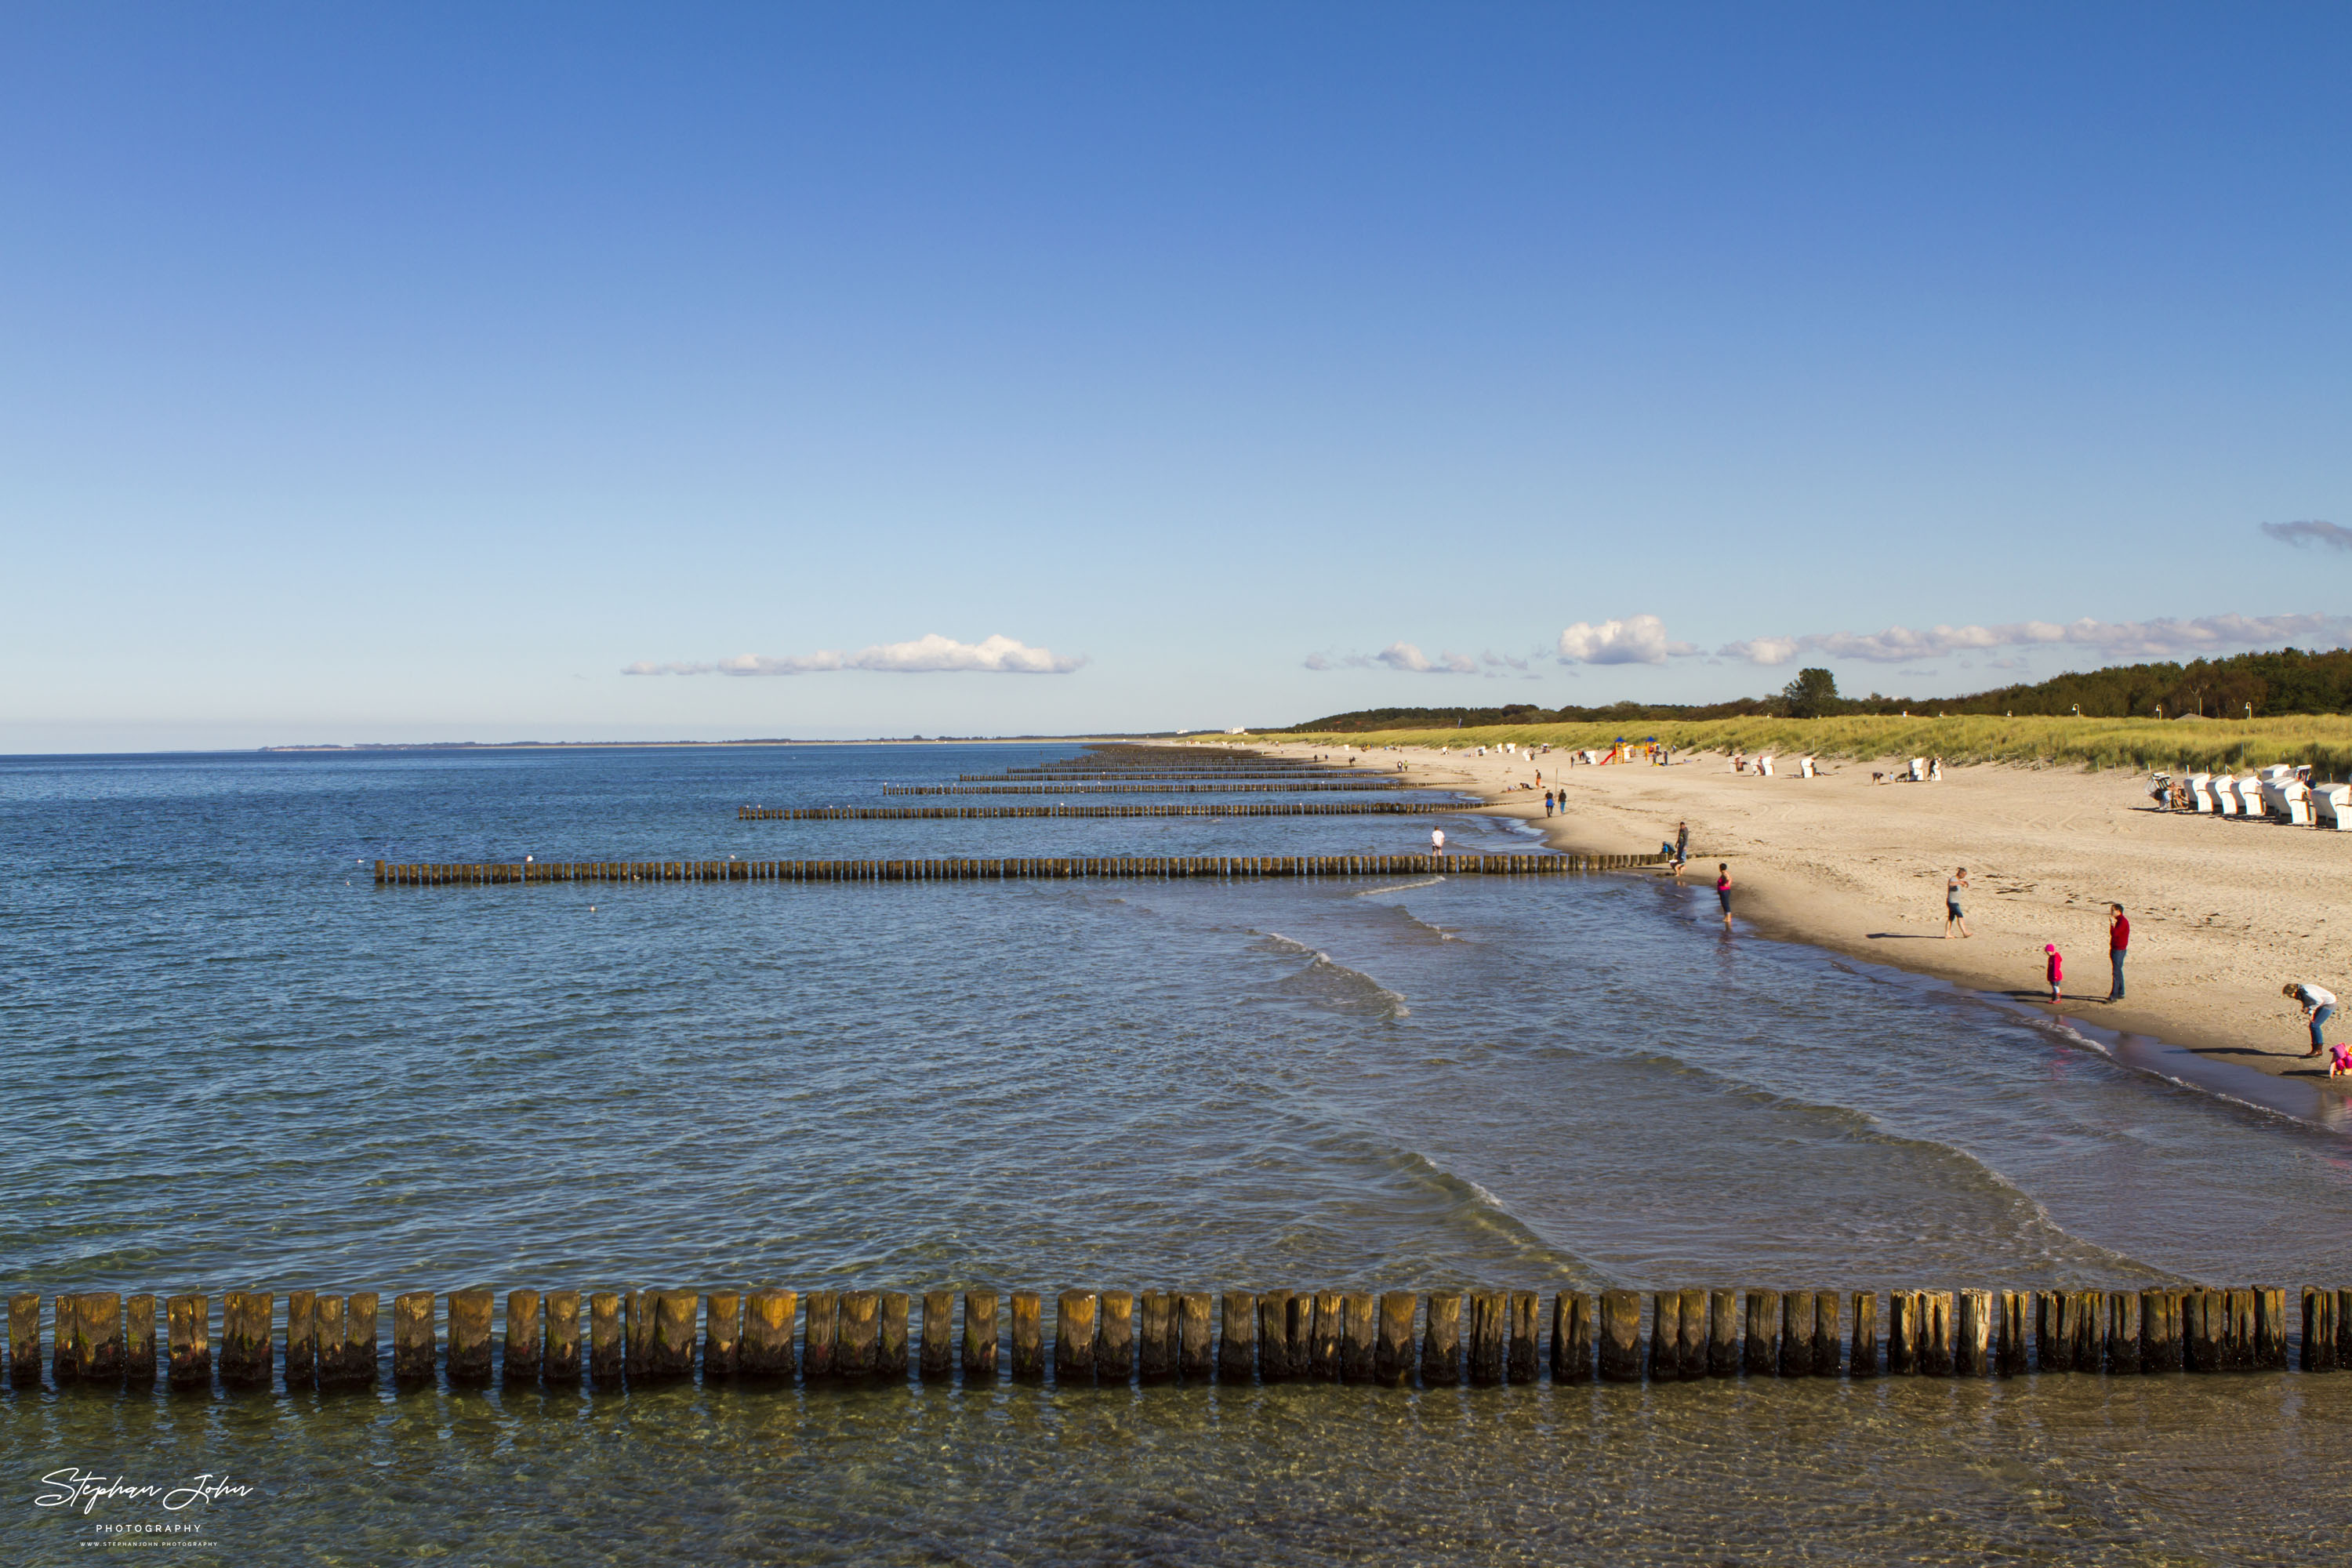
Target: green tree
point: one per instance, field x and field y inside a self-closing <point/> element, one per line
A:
<point x="1812" y="695"/>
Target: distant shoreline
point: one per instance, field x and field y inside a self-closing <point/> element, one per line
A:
<point x="668" y="745"/>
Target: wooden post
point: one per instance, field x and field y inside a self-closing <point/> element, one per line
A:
<point x="2159" y="1331"/>
<point x="1155" y="1313"/>
<point x="2123" y="1332"/>
<point x="768" y="1333"/>
<point x="1902" y="1332"/>
<point x="247" y="1353"/>
<point x="358" y="1338"/>
<point x="1571" y="1337"/>
<point x="302" y="1338"/>
<point x="1274" y="1336"/>
<point x="674" y="1313"/>
<point x="413" y="1340"/>
<point x="1972" y="1356"/>
<point x="1238" y="1312"/>
<point x="1691" y="1348"/>
<point x="1489" y="1332"/>
<point x="1441" y="1339"/>
<point x="2054" y="1334"/>
<point x="1527" y="1351"/>
<point x="101" y="1320"/>
<point x="1359" y="1338"/>
<point x="1862" y="1357"/>
<point x="24" y="1339"/>
<point x="1934" y="1345"/>
<point x="819" y="1336"/>
<point x="1761" y="1351"/>
<point x="722" y="1333"/>
<point x="2201" y="1317"/>
<point x="638" y="1332"/>
<point x="1621" y="1336"/>
<point x="890" y="1343"/>
<point x="2012" y="1358"/>
<point x="1323" y="1342"/>
<point x="190" y="1328"/>
<point x="1115" y="1337"/>
<point x="980" y="1335"/>
<point x="469" y="1336"/>
<point x="607" y="1354"/>
<point x="1028" y="1337"/>
<point x="1796" y="1333"/>
<point x="1075" y="1313"/>
<point x="1825" y="1334"/>
<point x="937" y="1358"/>
<point x="1665" y="1336"/>
<point x="525" y="1331"/>
<point x="860" y="1334"/>
<point x="2088" y="1315"/>
<point x="2270" y="1329"/>
<point x="329" y="1314"/>
<point x="1723" y="1334"/>
<point x="1195" y="1343"/>
<point x="139" y="1339"/>
<point x="2319" y="1329"/>
<point x="560" y="1365"/>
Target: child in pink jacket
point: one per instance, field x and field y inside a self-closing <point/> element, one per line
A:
<point x="2057" y="965"/>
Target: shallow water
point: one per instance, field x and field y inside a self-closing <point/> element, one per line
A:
<point x="240" y="1064"/>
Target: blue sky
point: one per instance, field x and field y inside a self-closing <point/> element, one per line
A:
<point x="419" y="373"/>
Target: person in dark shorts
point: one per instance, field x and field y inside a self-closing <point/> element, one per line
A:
<point x="1952" y="890"/>
<point x="1723" y="892"/>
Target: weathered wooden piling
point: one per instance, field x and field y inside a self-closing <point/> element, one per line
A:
<point x="101" y="1327"/>
<point x="1826" y="1324"/>
<point x="859" y="1337"/>
<point x="1902" y="1333"/>
<point x="1527" y="1327"/>
<point x="936" y="1361"/>
<point x="1441" y="1339"/>
<point x="1723" y="1334"/>
<point x="1761" y="1353"/>
<point x="1666" y="1335"/>
<point x="1155" y="1335"/>
<point x="139" y="1339"/>
<point x="1571" y="1337"/>
<point x="1115" y="1336"/>
<point x="1393" y="1358"/>
<point x="302" y="1338"/>
<point x="1796" y="1333"/>
<point x="1359" y="1338"/>
<point x="189" y="1320"/>
<point x="331" y="1320"/>
<point x="2240" y="1353"/>
<point x="819" y="1333"/>
<point x="414" y="1351"/>
<point x="24" y="1339"/>
<point x="1489" y="1336"/>
<point x="767" y="1349"/>
<point x="2088" y="1315"/>
<point x="607" y="1352"/>
<point x="2270" y="1329"/>
<point x="980" y="1336"/>
<point x="2123" y="1330"/>
<point x="360" y="1311"/>
<point x="525" y="1332"/>
<point x="246" y="1348"/>
<point x="1274" y="1336"/>
<point x="1238" y="1315"/>
<point x="722" y="1333"/>
<point x="1196" y="1355"/>
<point x="1862" y="1354"/>
<point x="561" y="1364"/>
<point x="2319" y="1329"/>
<point x="470" y="1335"/>
<point x="1933" y="1344"/>
<point x="1972" y="1354"/>
<point x="2054" y="1334"/>
<point x="2013" y="1354"/>
<point x="2159" y="1331"/>
<point x="1621" y="1336"/>
<point x="65" y="1319"/>
<point x="1697" y="1330"/>
<point x="1028" y="1337"/>
<point x="638" y="1332"/>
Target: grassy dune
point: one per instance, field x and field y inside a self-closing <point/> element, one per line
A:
<point x="2324" y="740"/>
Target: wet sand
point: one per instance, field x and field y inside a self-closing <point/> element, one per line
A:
<point x="2223" y="911"/>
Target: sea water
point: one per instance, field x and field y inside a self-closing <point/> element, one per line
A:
<point x="236" y="1063"/>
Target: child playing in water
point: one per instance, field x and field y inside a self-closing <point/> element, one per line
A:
<point x="2057" y="965"/>
<point x="2340" y="1061"/>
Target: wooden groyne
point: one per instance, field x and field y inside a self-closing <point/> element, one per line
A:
<point x="1370" y="783"/>
<point x="985" y="813"/>
<point x="304" y="1339"/>
<point x="1142" y="867"/>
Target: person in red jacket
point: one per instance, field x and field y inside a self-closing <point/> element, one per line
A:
<point x="2118" y="941"/>
<point x="2057" y="965"/>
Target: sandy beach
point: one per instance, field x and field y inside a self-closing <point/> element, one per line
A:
<point x="2223" y="912"/>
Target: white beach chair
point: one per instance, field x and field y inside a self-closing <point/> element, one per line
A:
<point x="2200" y="792"/>
<point x="1805" y="769"/>
<point x="2298" y="802"/>
<point x="1918" y="774"/>
<point x="1764" y="767"/>
<point x="2331" y="806"/>
<point x="2249" y="795"/>
<point x="2225" y="794"/>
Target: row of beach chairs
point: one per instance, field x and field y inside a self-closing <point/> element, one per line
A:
<point x="2279" y="792"/>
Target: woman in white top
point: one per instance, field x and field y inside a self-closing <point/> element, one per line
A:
<point x="2318" y="1004"/>
<point x="1437" y="841"/>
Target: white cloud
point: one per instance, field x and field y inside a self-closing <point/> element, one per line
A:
<point x="2159" y="640"/>
<point x="926" y="655"/>
<point x="1636" y="639"/>
<point x="2310" y="532"/>
<point x="1405" y="656"/>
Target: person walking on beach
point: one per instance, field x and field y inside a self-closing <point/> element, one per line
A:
<point x="2057" y="969"/>
<point x="2118" y="942"/>
<point x="1723" y="892"/>
<point x="1682" y="844"/>
<point x="1953" y="889"/>
<point x="1547" y="802"/>
<point x="2318" y="1004"/>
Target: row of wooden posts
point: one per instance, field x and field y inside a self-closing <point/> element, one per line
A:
<point x="1304" y="787"/>
<point x="977" y="813"/>
<point x="1156" y="866"/>
<point x="1444" y="1338"/>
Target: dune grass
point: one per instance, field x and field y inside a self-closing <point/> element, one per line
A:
<point x="2324" y="740"/>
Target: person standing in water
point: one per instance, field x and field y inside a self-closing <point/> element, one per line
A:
<point x="2057" y="969"/>
<point x="1437" y="841"/>
<point x="1682" y="842"/>
<point x="1723" y="892"/>
<point x="1953" y="889"/>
